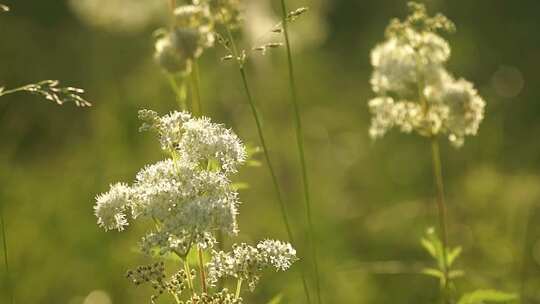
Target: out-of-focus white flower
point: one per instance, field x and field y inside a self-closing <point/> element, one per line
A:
<point x="247" y="262"/>
<point x="415" y="92"/>
<point x="120" y="15"/>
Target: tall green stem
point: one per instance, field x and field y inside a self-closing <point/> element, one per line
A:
<point x="300" y="144"/>
<point x="269" y="163"/>
<point x="196" y="90"/>
<point x="6" y="261"/>
<point x="441" y="207"/>
<point x="180" y="92"/>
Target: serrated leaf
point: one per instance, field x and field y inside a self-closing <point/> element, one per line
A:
<point x="453" y="254"/>
<point x="430" y="248"/>
<point x="482" y="296"/>
<point x="433" y="272"/>
<point x="276" y="299"/>
<point x="240" y="186"/>
<point x="456" y="273"/>
<point x="253" y="163"/>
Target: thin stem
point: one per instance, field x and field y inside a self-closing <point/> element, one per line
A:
<point x="6" y="261"/>
<point x="301" y="150"/>
<point x="441" y="207"/>
<point x="172" y="4"/>
<point x="188" y="274"/>
<point x="262" y="139"/>
<point x="180" y="92"/>
<point x="238" y="288"/>
<point x="196" y="90"/>
<point x="201" y="269"/>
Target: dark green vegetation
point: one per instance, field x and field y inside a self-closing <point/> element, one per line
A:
<point x="371" y="201"/>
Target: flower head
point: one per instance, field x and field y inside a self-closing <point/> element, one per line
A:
<point x="247" y="262"/>
<point x="414" y="90"/>
<point x="111" y="207"/>
<point x="197" y="141"/>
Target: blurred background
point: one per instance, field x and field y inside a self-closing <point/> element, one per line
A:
<point x="372" y="200"/>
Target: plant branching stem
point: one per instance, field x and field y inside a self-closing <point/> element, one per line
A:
<point x="180" y="92"/>
<point x="188" y="274"/>
<point x="238" y="289"/>
<point x="201" y="269"/>
<point x="6" y="260"/>
<point x="441" y="207"/>
<point x="269" y="163"/>
<point x="301" y="150"/>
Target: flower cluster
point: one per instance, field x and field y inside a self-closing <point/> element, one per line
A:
<point x="196" y="140"/>
<point x="221" y="297"/>
<point x="414" y="90"/>
<point x="154" y="275"/>
<point x="192" y="32"/>
<point x="189" y="197"/>
<point x="188" y="201"/>
<point x="245" y="262"/>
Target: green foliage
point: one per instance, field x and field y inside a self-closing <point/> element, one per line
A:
<point x="433" y="245"/>
<point x="483" y="296"/>
<point x="276" y="299"/>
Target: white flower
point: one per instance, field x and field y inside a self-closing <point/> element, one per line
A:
<point x="190" y="204"/>
<point x="120" y="15"/>
<point x="414" y="90"/>
<point x="110" y="208"/>
<point x="197" y="141"/>
<point x="279" y="254"/>
<point x="247" y="262"/>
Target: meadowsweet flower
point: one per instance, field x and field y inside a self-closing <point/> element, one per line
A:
<point x="171" y="59"/>
<point x="111" y="207"/>
<point x="190" y="205"/>
<point x="247" y="262"/>
<point x="414" y="90"/>
<point x="191" y="33"/>
<point x="193" y="30"/>
<point x="221" y="297"/>
<point x="196" y="140"/>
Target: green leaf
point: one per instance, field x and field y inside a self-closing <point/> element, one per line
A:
<point x="482" y="296"/>
<point x="433" y="272"/>
<point x="253" y="163"/>
<point x="430" y="248"/>
<point x="453" y="254"/>
<point x="276" y="299"/>
<point x="240" y="186"/>
<point x="456" y="273"/>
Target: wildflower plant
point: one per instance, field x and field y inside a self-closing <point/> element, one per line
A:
<point x="189" y="198"/>
<point x="415" y="93"/>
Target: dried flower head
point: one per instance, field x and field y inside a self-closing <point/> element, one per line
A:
<point x="51" y="90"/>
<point x="415" y="92"/>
